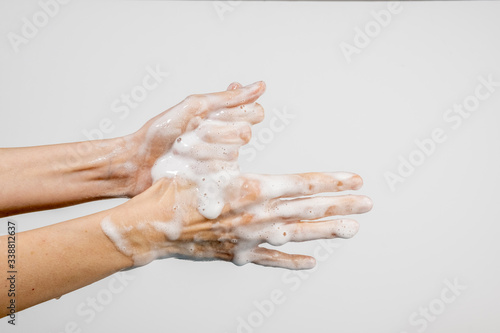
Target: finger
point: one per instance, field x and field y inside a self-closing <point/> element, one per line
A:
<point x="175" y="120"/>
<point x="252" y="113"/>
<point x="311" y="208"/>
<point x="273" y="258"/>
<point x="202" y="105"/>
<point x="281" y="233"/>
<point x="204" y="250"/>
<point x="213" y="131"/>
<point x="264" y="187"/>
<point x="236" y="97"/>
<point x="190" y="145"/>
<point x="234" y="85"/>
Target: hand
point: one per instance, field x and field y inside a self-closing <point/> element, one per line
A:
<point x="158" y="135"/>
<point x="165" y="221"/>
<point x="201" y="207"/>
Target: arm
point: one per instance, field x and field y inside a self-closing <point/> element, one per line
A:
<point x="58" y="259"/>
<point x="45" y="177"/>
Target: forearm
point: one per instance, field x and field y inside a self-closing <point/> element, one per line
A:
<point x="45" y="177"/>
<point x="58" y="259"/>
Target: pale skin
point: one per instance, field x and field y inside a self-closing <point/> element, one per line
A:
<point x="66" y="256"/>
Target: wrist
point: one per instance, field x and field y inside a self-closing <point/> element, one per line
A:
<point x="115" y="167"/>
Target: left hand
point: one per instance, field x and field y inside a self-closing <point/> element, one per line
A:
<point x="166" y="220"/>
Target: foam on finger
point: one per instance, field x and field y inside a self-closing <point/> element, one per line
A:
<point x="310" y="208"/>
<point x="295" y="185"/>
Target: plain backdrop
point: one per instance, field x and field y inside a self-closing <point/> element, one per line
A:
<point x="438" y="227"/>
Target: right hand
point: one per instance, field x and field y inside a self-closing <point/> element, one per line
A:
<point x="158" y="135"/>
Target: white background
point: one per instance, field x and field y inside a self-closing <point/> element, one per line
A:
<point x="440" y="224"/>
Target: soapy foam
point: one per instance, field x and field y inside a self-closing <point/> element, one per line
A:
<point x="116" y="236"/>
<point x="212" y="166"/>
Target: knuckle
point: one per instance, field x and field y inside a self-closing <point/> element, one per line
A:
<point x="193" y="123"/>
<point x="190" y="99"/>
<point x="197" y="102"/>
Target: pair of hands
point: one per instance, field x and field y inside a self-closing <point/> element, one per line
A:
<point x="196" y="143"/>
